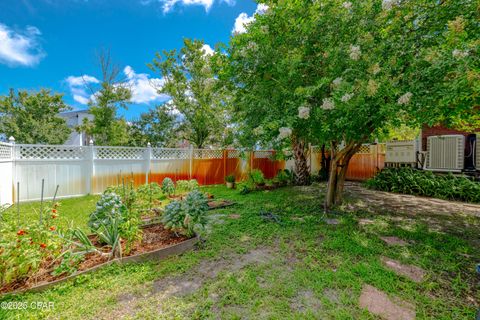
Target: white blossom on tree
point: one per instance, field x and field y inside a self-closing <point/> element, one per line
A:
<point x="347" y="96"/>
<point x="328" y="104"/>
<point x="347" y="5"/>
<point x="304" y="112"/>
<point x="355" y="52"/>
<point x="460" y="54"/>
<point x="284" y="133"/>
<point x="405" y="99"/>
<point x="337" y="82"/>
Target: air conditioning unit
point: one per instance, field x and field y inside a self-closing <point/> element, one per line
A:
<point x="402" y="152"/>
<point x="445" y="153"/>
<point x="477" y="152"/>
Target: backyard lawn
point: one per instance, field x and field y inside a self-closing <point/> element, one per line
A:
<point x="274" y="255"/>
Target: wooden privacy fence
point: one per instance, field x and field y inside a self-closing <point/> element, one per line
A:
<point x="81" y="170"/>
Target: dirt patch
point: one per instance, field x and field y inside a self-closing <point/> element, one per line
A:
<point x="414" y="273"/>
<point x="305" y="301"/>
<point x="378" y="303"/>
<point x="332" y="295"/>
<point x="379" y="201"/>
<point x="364" y="222"/>
<point x="234" y="216"/>
<point x="176" y="287"/>
<point x="393" y="241"/>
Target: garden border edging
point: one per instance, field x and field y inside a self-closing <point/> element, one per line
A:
<point x="155" y="255"/>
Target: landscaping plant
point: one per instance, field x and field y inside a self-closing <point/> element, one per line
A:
<point x="256" y="177"/>
<point x="188" y="215"/>
<point x="168" y="187"/>
<point x="426" y="183"/>
<point x="187" y="185"/>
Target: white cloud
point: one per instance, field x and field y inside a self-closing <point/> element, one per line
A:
<point x="78" y="87"/>
<point x="244" y="19"/>
<point x="144" y="88"/>
<point x="20" y="47"/>
<point x="207" y="49"/>
<point x="168" y="5"/>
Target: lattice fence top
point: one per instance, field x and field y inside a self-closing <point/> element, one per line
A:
<point x="5" y="151"/>
<point x="263" y="154"/>
<point x="119" y="153"/>
<point x="170" y="154"/>
<point x="49" y="152"/>
<point x="207" y="154"/>
<point x="232" y="154"/>
<point x="364" y="149"/>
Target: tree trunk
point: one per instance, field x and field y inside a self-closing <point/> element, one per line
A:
<point x="302" y="171"/>
<point x="338" y="171"/>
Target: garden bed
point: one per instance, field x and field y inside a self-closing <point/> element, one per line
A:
<point x="157" y="243"/>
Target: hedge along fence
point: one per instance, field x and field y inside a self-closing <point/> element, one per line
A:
<point x="81" y="170"/>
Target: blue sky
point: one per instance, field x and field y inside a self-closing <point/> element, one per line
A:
<point x="50" y="43"/>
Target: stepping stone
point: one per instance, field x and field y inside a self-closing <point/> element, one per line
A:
<point x="378" y="303"/>
<point x="295" y="218"/>
<point x="332" y="221"/>
<point x="363" y="222"/>
<point x="394" y="241"/>
<point x="234" y="216"/>
<point x="414" y="273"/>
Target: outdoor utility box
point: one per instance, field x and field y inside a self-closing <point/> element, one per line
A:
<point x="402" y="152"/>
<point x="446" y="153"/>
<point x="477" y="153"/>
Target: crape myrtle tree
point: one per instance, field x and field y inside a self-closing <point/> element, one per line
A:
<point x="356" y="68"/>
<point x="191" y="83"/>
<point x="263" y="69"/>
<point x="33" y="117"/>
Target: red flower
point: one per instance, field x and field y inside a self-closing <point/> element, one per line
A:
<point x="54" y="210"/>
<point x="54" y="216"/>
<point x="43" y="245"/>
<point x="52" y="228"/>
<point x="21" y="232"/>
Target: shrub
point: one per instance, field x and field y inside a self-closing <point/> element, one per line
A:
<point x="283" y="177"/>
<point x="230" y="178"/>
<point x="256" y="177"/>
<point x="187" y="185"/>
<point x="168" y="187"/>
<point x="127" y="193"/>
<point x="426" y="183"/>
<point x="188" y="215"/>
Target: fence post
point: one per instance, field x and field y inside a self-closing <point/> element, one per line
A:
<point x="191" y="162"/>
<point x="90" y="167"/>
<point x="148" y="161"/>
<point x="225" y="156"/>
<point x="252" y="156"/>
<point x="13" y="157"/>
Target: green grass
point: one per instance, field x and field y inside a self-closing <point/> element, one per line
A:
<point x="307" y="269"/>
<point x="70" y="211"/>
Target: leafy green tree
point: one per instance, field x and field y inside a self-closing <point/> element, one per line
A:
<point x="112" y="93"/>
<point x="357" y="69"/>
<point x="158" y="126"/>
<point x="191" y="83"/>
<point x="32" y="117"/>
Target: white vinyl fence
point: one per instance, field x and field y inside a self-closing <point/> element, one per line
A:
<point x="81" y="170"/>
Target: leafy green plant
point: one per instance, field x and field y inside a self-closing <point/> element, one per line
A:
<point x="256" y="177"/>
<point x="187" y="185"/>
<point x="149" y="196"/>
<point x="188" y="215"/>
<point x="127" y="193"/>
<point x="23" y="250"/>
<point x="283" y="177"/>
<point x="108" y="207"/>
<point x="230" y="178"/>
<point x="168" y="187"/>
<point x="426" y="183"/>
<point x="69" y="264"/>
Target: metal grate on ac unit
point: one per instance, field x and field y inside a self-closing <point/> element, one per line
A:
<point x="445" y="153"/>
